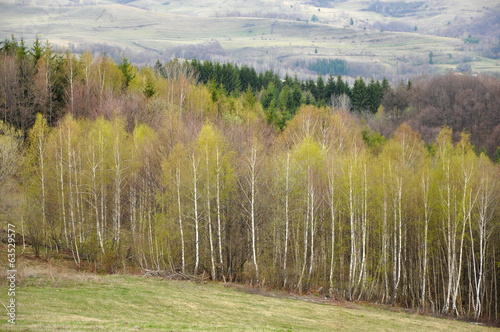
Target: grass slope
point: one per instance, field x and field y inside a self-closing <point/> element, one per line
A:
<point x="51" y="296"/>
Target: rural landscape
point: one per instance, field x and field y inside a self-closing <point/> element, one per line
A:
<point x="268" y="165"/>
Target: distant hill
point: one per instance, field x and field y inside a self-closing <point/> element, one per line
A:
<point x="375" y="38"/>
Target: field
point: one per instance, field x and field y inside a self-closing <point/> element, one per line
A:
<point x="51" y="295"/>
<point x="261" y="34"/>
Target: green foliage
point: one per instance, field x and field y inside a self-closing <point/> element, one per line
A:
<point x="431" y="149"/>
<point x="36" y="50"/>
<point x="496" y="156"/>
<point x="228" y="75"/>
<point x="373" y="139"/>
<point x="10" y="143"/>
<point x="281" y="103"/>
<point x="110" y="260"/>
<point x="149" y="89"/>
<point x="314" y="18"/>
<point x="270" y="94"/>
<point x="359" y="95"/>
<point x="471" y="40"/>
<point x="480" y="151"/>
<point x="217" y="92"/>
<point x="9" y="46"/>
<point x="127" y="69"/>
<point x="320" y="89"/>
<point x="327" y="66"/>
<point x="34" y="173"/>
<point x="342" y="87"/>
<point x="375" y="92"/>
<point x="385" y="85"/>
<point x="396" y="8"/>
<point x="309" y="155"/>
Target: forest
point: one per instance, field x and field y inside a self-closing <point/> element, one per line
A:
<point x="390" y="197"/>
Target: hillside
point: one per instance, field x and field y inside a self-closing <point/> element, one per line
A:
<point x="52" y="296"/>
<point x="391" y="39"/>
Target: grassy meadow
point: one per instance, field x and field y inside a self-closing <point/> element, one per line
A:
<point x="51" y="295"/>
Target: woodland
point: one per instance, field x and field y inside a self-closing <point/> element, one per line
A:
<point x="371" y="192"/>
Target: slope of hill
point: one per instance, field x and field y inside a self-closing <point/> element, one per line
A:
<point x="392" y="38"/>
<point x="53" y="296"/>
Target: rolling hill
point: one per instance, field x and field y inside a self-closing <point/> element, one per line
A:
<point x="390" y="38"/>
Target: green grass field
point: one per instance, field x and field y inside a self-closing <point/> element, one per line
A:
<point x="52" y="296"/>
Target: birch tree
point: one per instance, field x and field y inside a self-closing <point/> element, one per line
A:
<point x="10" y="166"/>
<point x="249" y="185"/>
<point x="119" y="175"/>
<point x="309" y="158"/>
<point x="99" y="140"/>
<point x="36" y="170"/>
<point x="195" y="164"/>
<point x="206" y="146"/>
<point x="173" y="172"/>
<point x="486" y="204"/>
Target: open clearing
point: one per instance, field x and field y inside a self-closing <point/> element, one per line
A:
<point x="51" y="296"/>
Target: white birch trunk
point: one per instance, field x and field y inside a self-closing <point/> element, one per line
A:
<point x="306" y="236"/>
<point x="353" y="256"/>
<point x="41" y="152"/>
<point x="133" y="212"/>
<point x="96" y="199"/>
<point x="466" y="215"/>
<point x="196" y="221"/>
<point x="178" y="185"/>
<point x="449" y="239"/>
<point x="103" y="189"/>
<point x="71" y="200"/>
<point x="425" y="192"/>
<point x="209" y="216"/>
<point x="385" y="240"/>
<point x="485" y="213"/>
<point x="253" y="162"/>
<point x="72" y="94"/>
<point x="287" y="170"/>
<point x="332" y="198"/>
<point x="117" y="193"/>
<point x="311" y="190"/>
<point x="63" y="204"/>
<point x="219" y="229"/>
<point x="362" y="274"/>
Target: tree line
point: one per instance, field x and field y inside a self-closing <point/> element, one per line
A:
<point x="324" y="67"/>
<point x="37" y="78"/>
<point x="281" y="98"/>
<point x="123" y="166"/>
<point x="463" y="102"/>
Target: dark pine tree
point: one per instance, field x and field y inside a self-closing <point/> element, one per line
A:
<point x="359" y="95"/>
